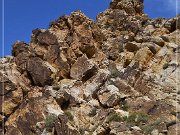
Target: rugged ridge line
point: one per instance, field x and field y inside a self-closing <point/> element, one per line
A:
<point x="114" y="76"/>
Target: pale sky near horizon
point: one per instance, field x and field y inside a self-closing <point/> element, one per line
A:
<point x="22" y="16"/>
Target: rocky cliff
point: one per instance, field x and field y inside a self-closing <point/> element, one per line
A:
<point x="118" y="75"/>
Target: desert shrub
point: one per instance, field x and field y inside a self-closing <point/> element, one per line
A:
<point x="165" y="66"/>
<point x="93" y="112"/>
<point x="49" y="122"/>
<point x="69" y="115"/>
<point x="124" y="106"/>
<point x="114" y="117"/>
<point x="137" y="118"/>
<point x="150" y="127"/>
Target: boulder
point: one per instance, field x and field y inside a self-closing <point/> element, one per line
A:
<point x="63" y="128"/>
<point x="109" y="96"/>
<point x="82" y="69"/>
<point x="174" y="129"/>
<point x="130" y="6"/>
<point x="39" y="72"/>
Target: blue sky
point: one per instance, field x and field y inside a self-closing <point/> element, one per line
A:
<point x="22" y="16"/>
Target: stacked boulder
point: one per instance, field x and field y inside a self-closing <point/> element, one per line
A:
<point x="115" y="76"/>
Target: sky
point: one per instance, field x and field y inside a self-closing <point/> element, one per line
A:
<point x="22" y="16"/>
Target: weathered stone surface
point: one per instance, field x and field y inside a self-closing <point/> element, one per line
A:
<point x="82" y="69"/>
<point x="109" y="96"/>
<point x="130" y="6"/>
<point x="19" y="47"/>
<point x="117" y="127"/>
<point x="143" y="56"/>
<point x="46" y="38"/>
<point x="12" y="131"/>
<point x="39" y="72"/>
<point x="132" y="47"/>
<point x="174" y="129"/>
<point x="118" y="76"/>
<point x="32" y="110"/>
<point x="12" y="86"/>
<point x="62" y="127"/>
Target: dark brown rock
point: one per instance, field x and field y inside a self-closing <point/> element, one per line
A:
<point x="82" y="69"/>
<point x="131" y="47"/>
<point x="13" y="131"/>
<point x="130" y="6"/>
<point x="47" y="38"/>
<point x="19" y="47"/>
<point x="39" y="72"/>
<point x="6" y="85"/>
<point x="62" y="127"/>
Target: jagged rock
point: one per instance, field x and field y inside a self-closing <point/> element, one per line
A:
<point x="12" y="131"/>
<point x="174" y="129"/>
<point x="130" y="6"/>
<point x="12" y="86"/>
<point x="6" y="85"/>
<point x="32" y="110"/>
<point x="46" y="38"/>
<point x="109" y="96"/>
<point x="93" y="85"/>
<point x="172" y="37"/>
<point x="11" y="101"/>
<point x="117" y="127"/>
<point x="19" y="47"/>
<point x="62" y="127"/>
<point x="100" y="131"/>
<point x="131" y="73"/>
<point x="173" y="24"/>
<point x="22" y="53"/>
<point x="158" y="41"/>
<point x="143" y="56"/>
<point x="39" y="72"/>
<point x="62" y="97"/>
<point x="122" y="66"/>
<point x="154" y="48"/>
<point x="125" y="89"/>
<point x="132" y="47"/>
<point x="82" y="69"/>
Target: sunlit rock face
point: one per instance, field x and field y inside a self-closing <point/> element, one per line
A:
<point x="116" y="76"/>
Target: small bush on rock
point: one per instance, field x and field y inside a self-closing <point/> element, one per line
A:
<point x="49" y="122"/>
<point x="114" y="117"/>
<point x="137" y="119"/>
<point x="69" y="115"/>
<point x="93" y="112"/>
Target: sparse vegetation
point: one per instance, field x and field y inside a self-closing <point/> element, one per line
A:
<point x="49" y="122"/>
<point x="150" y="127"/>
<point x="147" y="129"/>
<point x="137" y="119"/>
<point x="82" y="130"/>
<point x="114" y="117"/>
<point x="124" y="105"/>
<point x="69" y="115"/>
<point x="93" y="112"/>
<point x="165" y="66"/>
<point x="56" y="87"/>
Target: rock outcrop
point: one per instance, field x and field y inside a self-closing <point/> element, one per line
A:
<point x="118" y="75"/>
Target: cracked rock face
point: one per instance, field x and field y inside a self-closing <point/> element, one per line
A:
<point x="115" y="76"/>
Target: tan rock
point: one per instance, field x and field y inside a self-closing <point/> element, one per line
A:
<point x="174" y="129"/>
<point x="143" y="56"/>
<point x="110" y="96"/>
<point x="82" y="69"/>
